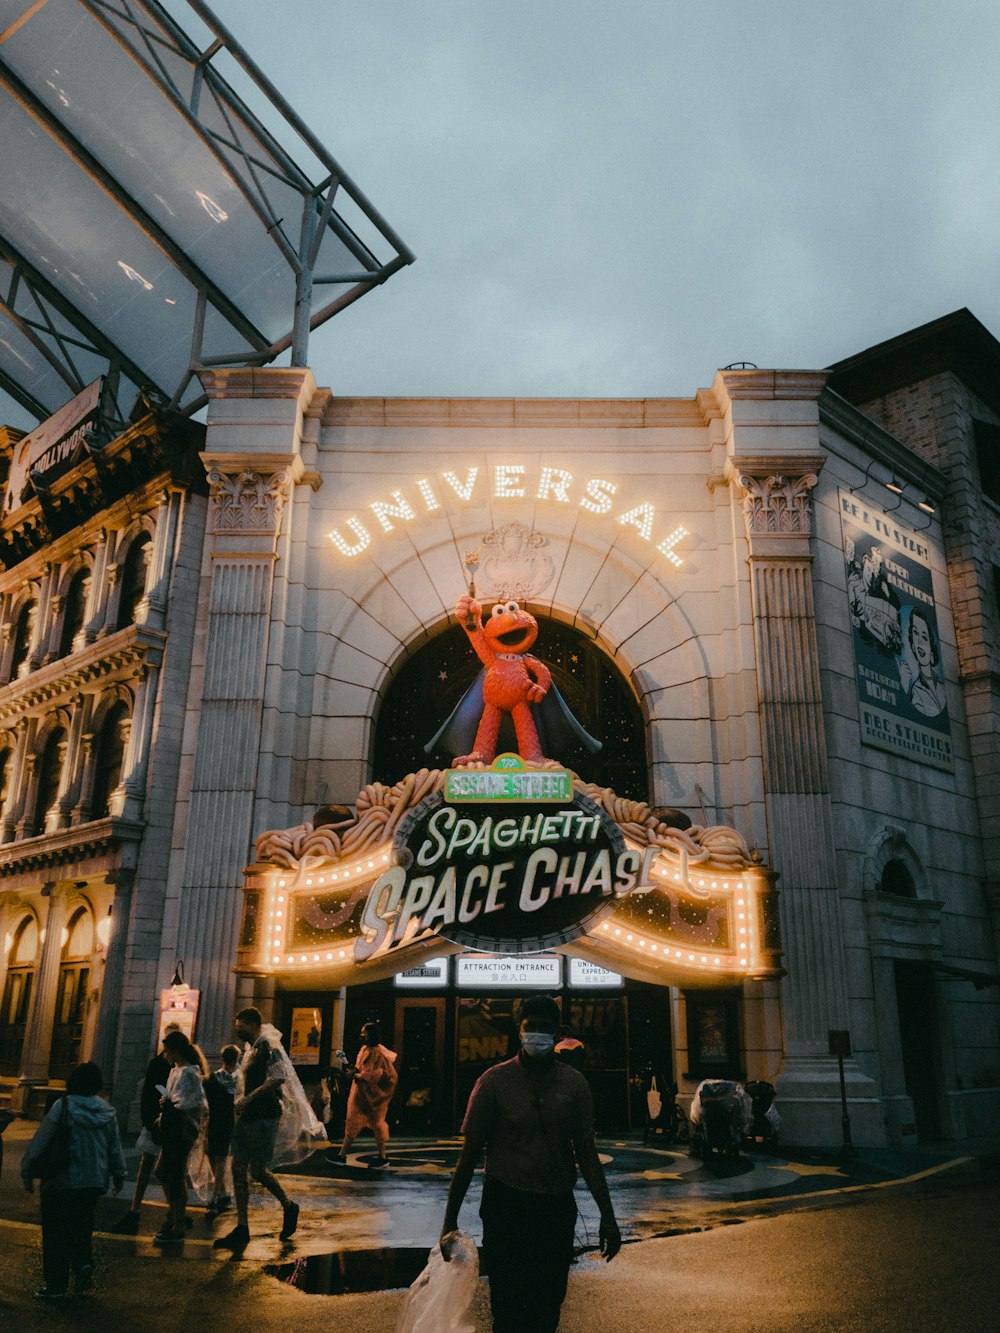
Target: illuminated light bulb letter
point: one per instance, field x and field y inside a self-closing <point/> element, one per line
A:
<point x="344" y="546"/>
<point x="463" y="489"/>
<point x="598" y="495"/>
<point x="505" y="479"/>
<point x="384" y="511"/>
<point x="666" y="547"/>
<point x="427" y="491"/>
<point x="554" y="480"/>
<point x="640" y="518"/>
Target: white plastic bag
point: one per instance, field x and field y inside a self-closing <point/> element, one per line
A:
<point x="654" y="1100"/>
<point x="440" y="1299"/>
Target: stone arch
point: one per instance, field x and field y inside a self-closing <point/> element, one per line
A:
<point x="76" y="960"/>
<point x="132" y="558"/>
<point x="109" y="733"/>
<point x="888" y="849"/>
<point x="20" y="631"/>
<point x="17" y="977"/>
<point x="381" y="615"/>
<point x="81" y="561"/>
<point x="49" y="778"/>
<point x="71" y="603"/>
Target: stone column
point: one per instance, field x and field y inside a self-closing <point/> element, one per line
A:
<point x="19" y="778"/>
<point x="105" y="1044"/>
<point x="36" y="653"/>
<point x="38" y="1036"/>
<point x="135" y="760"/>
<point x="777" y="512"/>
<point x="97" y="598"/>
<point x="162" y="558"/>
<point x="249" y="491"/>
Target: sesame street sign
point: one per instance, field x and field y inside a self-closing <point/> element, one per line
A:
<point x="508" y="779"/>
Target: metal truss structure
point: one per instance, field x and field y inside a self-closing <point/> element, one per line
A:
<point x="151" y="224"/>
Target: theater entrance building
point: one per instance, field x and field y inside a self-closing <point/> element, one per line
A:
<point x="733" y="602"/>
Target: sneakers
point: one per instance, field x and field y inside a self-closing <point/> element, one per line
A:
<point x="44" y="1294"/>
<point x="289" y="1221"/>
<point x="380" y="1162"/>
<point x="127" y="1225"/>
<point x="238" y="1239"/>
<point x="84" y="1281"/>
<point x="168" y="1236"/>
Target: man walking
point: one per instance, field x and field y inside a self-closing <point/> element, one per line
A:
<point x="534" y="1115"/>
<point x="258" y="1109"/>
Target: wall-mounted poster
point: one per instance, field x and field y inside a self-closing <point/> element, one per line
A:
<point x="303" y="1043"/>
<point x="897" y="649"/>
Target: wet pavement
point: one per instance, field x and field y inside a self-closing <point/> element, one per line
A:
<point x="657" y="1190"/>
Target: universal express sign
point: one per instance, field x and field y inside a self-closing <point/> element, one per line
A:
<point x="507" y="876"/>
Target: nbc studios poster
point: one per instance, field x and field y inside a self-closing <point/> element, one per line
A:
<point x="897" y="649"/>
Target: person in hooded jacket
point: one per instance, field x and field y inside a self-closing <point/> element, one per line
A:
<point x="68" y="1200"/>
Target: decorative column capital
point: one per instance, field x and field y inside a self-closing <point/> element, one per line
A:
<point x="778" y="505"/>
<point x="248" y="501"/>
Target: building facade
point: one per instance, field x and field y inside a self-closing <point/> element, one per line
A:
<point x="772" y="602"/>
<point x="95" y="671"/>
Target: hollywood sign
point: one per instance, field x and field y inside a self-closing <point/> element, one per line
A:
<point x="508" y="483"/>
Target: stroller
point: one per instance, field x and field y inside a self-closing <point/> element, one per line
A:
<point x="764" y="1114"/>
<point x="720" y="1113"/>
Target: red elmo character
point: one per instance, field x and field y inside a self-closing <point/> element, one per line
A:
<point x="514" y="680"/>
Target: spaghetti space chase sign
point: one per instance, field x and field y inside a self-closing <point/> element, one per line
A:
<point x="501" y="878"/>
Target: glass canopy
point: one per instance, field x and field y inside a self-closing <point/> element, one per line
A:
<point x="151" y="224"/>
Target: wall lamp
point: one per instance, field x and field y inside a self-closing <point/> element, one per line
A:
<point x="929" y="510"/>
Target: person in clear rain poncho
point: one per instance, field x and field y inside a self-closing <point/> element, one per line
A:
<point x="274" y="1124"/>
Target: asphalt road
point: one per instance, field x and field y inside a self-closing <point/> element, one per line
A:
<point x="912" y="1256"/>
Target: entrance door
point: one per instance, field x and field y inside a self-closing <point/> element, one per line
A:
<point x="918" y="1039"/>
<point x="419" y="1042"/>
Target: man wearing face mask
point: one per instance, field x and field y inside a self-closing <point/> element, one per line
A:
<point x="534" y="1115"/>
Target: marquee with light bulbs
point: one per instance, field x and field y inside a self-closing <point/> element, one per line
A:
<point x="421" y="872"/>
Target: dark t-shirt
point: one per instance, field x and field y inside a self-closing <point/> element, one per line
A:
<point x="531" y="1124"/>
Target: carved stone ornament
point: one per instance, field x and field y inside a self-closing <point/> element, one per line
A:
<point x="513" y="564"/>
<point x="777" y="506"/>
<point x="247" y="501"/>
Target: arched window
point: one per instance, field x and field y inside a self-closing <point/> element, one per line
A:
<point x="50" y="768"/>
<point x="896" y="878"/>
<point x="71" y="995"/>
<point x="73" y="612"/>
<point x="133" y="579"/>
<point x="110" y="752"/>
<point x="23" y="632"/>
<point x="6" y="763"/>
<point x="434" y="679"/>
<point x="22" y="946"/>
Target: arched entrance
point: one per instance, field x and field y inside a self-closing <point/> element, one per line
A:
<point x="71" y="996"/>
<point x="445" y="1038"/>
<point x="16" y="1003"/>
<point x="432" y="680"/>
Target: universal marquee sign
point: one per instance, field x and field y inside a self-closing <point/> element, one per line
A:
<point x="509" y="481"/>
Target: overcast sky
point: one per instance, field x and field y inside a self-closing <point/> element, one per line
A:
<point x="617" y="198"/>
